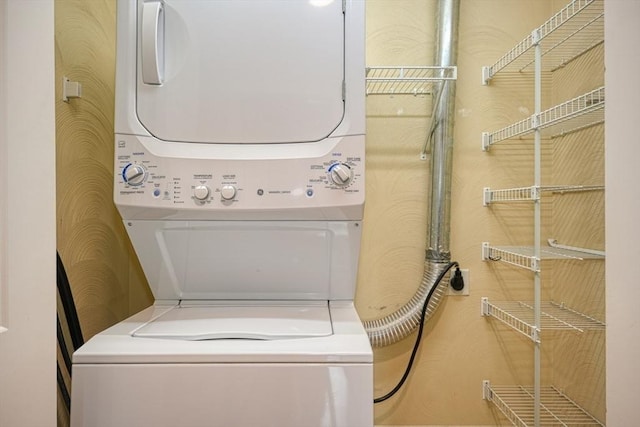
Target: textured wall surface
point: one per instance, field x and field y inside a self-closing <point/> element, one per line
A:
<point x="578" y="220"/>
<point x="108" y="285"/>
<point x="460" y="348"/>
<point x="106" y="280"/>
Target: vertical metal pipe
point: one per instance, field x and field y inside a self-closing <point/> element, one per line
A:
<point x="402" y="322"/>
<point x="442" y="149"/>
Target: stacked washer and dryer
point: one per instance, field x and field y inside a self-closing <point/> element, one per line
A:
<point x="239" y="175"/>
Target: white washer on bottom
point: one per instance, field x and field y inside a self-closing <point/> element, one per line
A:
<point x="280" y="364"/>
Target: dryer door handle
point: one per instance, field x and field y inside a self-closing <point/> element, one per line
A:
<point x="152" y="42"/>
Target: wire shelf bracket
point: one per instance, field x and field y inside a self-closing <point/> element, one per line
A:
<point x="554" y="243"/>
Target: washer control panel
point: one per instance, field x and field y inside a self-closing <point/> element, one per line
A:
<point x="147" y="179"/>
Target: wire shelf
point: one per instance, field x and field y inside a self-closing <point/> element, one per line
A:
<point x="556" y="408"/>
<point x="523" y="256"/>
<point x="519" y="315"/>
<point x="575" y="29"/>
<point x="525" y="194"/>
<point x="577" y="113"/>
<point x="406" y="80"/>
<point x="512" y="255"/>
<point x="571" y="32"/>
<point x="518" y="194"/>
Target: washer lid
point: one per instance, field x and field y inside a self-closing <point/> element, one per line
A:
<point x="240" y="321"/>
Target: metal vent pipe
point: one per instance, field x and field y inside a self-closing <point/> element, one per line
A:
<point x="399" y="324"/>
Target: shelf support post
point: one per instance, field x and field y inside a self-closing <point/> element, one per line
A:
<point x="535" y="35"/>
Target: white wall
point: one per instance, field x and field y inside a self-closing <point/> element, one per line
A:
<point x="27" y="145"/>
<point x="3" y="167"/>
<point x="622" y="35"/>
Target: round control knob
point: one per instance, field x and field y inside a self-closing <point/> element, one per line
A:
<point x="340" y="174"/>
<point x="228" y="192"/>
<point x="134" y="174"/>
<point x="201" y="192"/>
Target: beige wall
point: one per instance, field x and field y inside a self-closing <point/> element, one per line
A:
<point x="460" y="348"/>
<point x="578" y="158"/>
<point x="107" y="283"/>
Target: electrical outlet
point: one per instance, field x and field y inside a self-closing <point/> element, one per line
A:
<point x="465" y="277"/>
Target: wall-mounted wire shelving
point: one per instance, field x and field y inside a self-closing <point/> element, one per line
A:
<point x="517" y="404"/>
<point x="520" y="316"/>
<point x="578" y="113"/>
<point x="575" y="29"/>
<point x="532" y="193"/>
<point x="524" y="256"/>
<point x="407" y="80"/>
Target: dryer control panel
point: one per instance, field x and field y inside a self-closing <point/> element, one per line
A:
<point x="155" y="179"/>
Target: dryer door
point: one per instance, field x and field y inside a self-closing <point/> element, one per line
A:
<point x="251" y="71"/>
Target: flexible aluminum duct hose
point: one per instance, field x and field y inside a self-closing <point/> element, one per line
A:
<point x="402" y="322"/>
